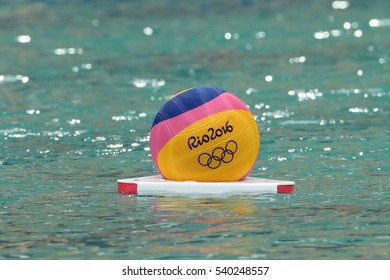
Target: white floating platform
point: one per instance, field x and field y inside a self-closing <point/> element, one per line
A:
<point x="156" y="185"/>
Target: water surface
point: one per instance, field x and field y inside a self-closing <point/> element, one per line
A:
<point x="81" y="82"/>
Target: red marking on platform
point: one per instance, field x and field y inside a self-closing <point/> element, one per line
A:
<point x="127" y="188"/>
<point x="285" y="189"/>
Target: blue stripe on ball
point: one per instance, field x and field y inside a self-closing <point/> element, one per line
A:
<point x="186" y="101"/>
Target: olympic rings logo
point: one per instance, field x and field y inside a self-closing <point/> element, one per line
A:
<point x="219" y="155"/>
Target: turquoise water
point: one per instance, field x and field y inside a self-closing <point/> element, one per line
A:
<point x="81" y="81"/>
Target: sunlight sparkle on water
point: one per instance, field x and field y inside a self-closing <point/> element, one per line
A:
<point x="148" y="31"/>
<point x="148" y="83"/>
<point x="23" y="39"/>
<point x="12" y="79"/>
<point x="379" y="22"/>
<point x="70" y="51"/>
<point x="340" y="5"/>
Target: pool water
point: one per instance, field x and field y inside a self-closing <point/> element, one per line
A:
<point x="81" y="82"/>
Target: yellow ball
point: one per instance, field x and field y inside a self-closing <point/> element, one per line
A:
<point x="204" y="134"/>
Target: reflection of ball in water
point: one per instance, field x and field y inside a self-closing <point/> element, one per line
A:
<point x="204" y="134"/>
